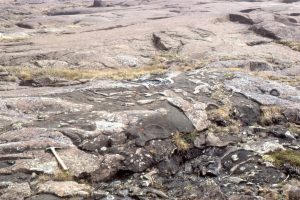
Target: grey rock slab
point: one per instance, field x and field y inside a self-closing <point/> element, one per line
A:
<point x="109" y="166"/>
<point x="277" y="30"/>
<point x="32" y="139"/>
<point x="212" y="140"/>
<point x="36" y="104"/>
<point x="76" y="160"/>
<point x="15" y="191"/>
<point x="258" y="89"/>
<point x="264" y="146"/>
<point x="164" y="42"/>
<point x="64" y="189"/>
<point x="194" y="111"/>
<point x="241" y="18"/>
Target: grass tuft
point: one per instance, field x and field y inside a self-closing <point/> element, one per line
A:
<point x="29" y="73"/>
<point x="282" y="157"/>
<point x="294" y="45"/>
<point x="57" y="176"/>
<point x="13" y="37"/>
<point x="180" y="142"/>
<point x="271" y="115"/>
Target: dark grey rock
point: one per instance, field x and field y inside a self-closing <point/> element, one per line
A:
<point x="98" y="3"/>
<point x="259" y="66"/>
<point x="246" y="110"/>
<point x="241" y="18"/>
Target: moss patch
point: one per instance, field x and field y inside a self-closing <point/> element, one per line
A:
<point x="289" y="156"/>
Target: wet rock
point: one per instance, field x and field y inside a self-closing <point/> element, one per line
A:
<point x="64" y="189"/>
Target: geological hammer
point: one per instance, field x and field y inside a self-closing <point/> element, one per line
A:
<point x="59" y="160"/>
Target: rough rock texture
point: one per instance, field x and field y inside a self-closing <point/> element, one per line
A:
<point x="64" y="189"/>
<point x="219" y="120"/>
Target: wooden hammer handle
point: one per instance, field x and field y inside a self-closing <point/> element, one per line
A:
<point x="59" y="160"/>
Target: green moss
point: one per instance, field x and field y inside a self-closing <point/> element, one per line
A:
<point x="286" y="156"/>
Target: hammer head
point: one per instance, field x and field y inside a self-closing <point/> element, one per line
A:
<point x="52" y="148"/>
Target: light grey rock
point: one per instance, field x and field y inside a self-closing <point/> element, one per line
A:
<point x="15" y="191"/>
<point x="194" y="111"/>
<point x="212" y="140"/>
<point x="64" y="189"/>
<point x="263" y="147"/>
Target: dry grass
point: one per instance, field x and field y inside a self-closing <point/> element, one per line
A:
<point x="180" y="142"/>
<point x="289" y="80"/>
<point x="295" y="45"/>
<point x="28" y="73"/>
<point x="12" y="38"/>
<point x="223" y="114"/>
<point x="175" y="61"/>
<point x="293" y="128"/>
<point x="233" y="128"/>
<point x="271" y="115"/>
<point x="9" y="78"/>
<point x="57" y="176"/>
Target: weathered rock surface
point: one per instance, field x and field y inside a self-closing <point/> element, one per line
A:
<point x="64" y="189"/>
<point x="206" y="127"/>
